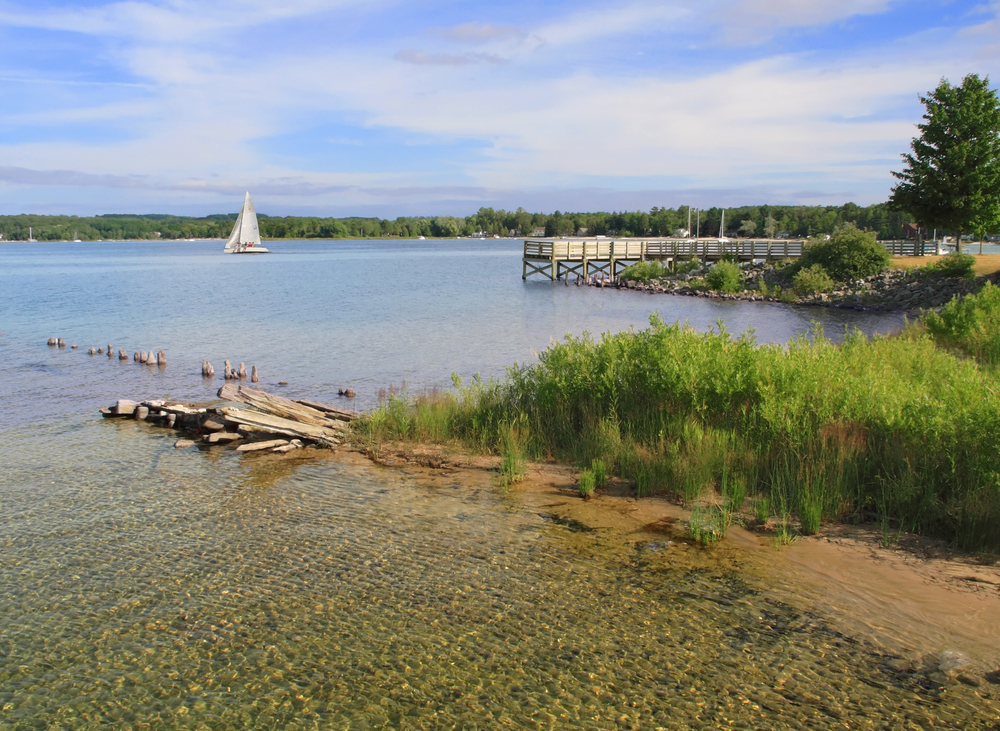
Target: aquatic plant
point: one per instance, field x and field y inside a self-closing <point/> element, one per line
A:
<point x="708" y="524"/>
<point x="599" y="470"/>
<point x="585" y="483"/>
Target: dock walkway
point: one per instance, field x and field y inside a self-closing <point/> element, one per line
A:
<point x="554" y="258"/>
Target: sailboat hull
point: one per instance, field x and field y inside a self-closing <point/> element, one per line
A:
<point x="254" y="250"/>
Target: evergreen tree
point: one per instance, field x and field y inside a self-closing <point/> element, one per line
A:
<point x="952" y="179"/>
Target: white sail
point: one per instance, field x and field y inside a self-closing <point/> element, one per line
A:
<point x="245" y="237"/>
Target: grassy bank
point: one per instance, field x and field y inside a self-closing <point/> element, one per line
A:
<point x="904" y="430"/>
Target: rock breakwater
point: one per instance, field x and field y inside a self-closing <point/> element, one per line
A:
<point x="890" y="290"/>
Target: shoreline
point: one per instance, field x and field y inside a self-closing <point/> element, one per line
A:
<point x="891" y="291"/>
<point x="917" y="601"/>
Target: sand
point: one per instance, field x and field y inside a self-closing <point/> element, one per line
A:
<point x="913" y="598"/>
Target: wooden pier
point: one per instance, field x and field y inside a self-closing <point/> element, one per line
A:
<point x="584" y="257"/>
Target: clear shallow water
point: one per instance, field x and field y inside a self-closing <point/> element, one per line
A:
<point x="146" y="587"/>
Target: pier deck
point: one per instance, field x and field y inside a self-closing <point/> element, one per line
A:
<point x="584" y="257"/>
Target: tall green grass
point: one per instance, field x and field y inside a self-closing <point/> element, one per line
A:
<point x="892" y="428"/>
<point x="970" y="324"/>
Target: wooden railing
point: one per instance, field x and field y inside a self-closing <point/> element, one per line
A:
<point x="553" y="258"/>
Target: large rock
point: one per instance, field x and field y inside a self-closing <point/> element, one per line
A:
<point x="141" y="412"/>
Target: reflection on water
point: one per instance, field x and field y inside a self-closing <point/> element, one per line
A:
<point x="189" y="589"/>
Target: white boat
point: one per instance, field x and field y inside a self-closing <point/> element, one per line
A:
<point x="722" y="228"/>
<point x="245" y="238"/>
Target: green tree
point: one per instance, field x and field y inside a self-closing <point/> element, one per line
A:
<point x="951" y="180"/>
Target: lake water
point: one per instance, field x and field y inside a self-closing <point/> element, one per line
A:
<point x="147" y="587"/>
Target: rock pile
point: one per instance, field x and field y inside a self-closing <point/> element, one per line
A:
<point x="891" y="290"/>
<point x="271" y="423"/>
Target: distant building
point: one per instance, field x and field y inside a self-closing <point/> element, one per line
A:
<point x="681" y="233"/>
<point x="538" y="231"/>
<point x="582" y="231"/>
<point x="911" y="230"/>
<point x="782" y="234"/>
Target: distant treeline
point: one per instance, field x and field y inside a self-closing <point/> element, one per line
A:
<point x="758" y="221"/>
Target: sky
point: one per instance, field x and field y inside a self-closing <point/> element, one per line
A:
<point x="396" y="107"/>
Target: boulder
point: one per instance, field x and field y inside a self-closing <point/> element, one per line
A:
<point x="183" y="443"/>
<point x="141" y="412"/>
<point x="52" y="341"/>
<point x="61" y="343"/>
<point x="161" y="358"/>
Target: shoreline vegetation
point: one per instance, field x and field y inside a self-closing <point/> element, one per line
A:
<point x="901" y="430"/>
<point x="795" y="221"/>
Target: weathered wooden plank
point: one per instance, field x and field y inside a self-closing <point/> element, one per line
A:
<point x="336" y="413"/>
<point x="221" y="437"/>
<point x="258" y="446"/>
<point x="278" y="406"/>
<point x="280" y="425"/>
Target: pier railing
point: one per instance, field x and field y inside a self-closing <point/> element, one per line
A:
<point x="555" y="257"/>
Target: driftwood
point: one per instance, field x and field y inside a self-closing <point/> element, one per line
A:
<point x="280" y="406"/>
<point x="278" y="425"/>
<point x="333" y="411"/>
<point x="258" y="446"/>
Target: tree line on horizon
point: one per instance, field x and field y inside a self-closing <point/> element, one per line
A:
<point x="745" y="221"/>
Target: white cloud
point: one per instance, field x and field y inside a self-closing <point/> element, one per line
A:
<point x="410" y="55"/>
<point x="589" y="25"/>
<point x="796" y="122"/>
<point x="479" y="33"/>
<point x="170" y="21"/>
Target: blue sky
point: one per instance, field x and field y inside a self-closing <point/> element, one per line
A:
<point x="395" y="107"/>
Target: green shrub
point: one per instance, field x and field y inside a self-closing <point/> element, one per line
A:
<point x="953" y="265"/>
<point x="643" y="271"/>
<point x="725" y="276"/>
<point x="585" y="483"/>
<point x="812" y="279"/>
<point x="849" y="253"/>
<point x="970" y="324"/>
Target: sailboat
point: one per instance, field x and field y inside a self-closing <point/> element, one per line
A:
<point x="245" y="238"/>
<point x="722" y="228"/>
